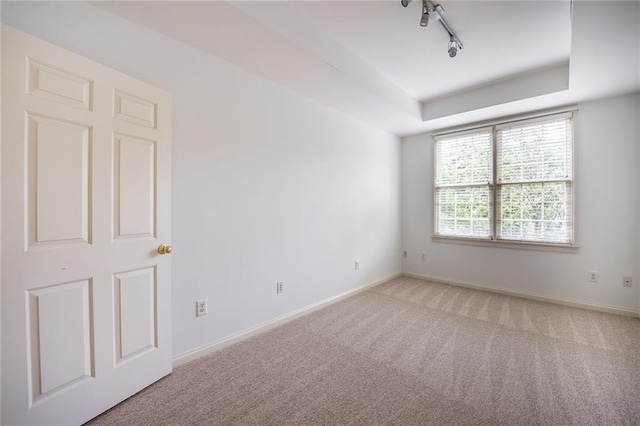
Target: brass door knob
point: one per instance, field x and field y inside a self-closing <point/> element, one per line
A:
<point x="163" y="249"/>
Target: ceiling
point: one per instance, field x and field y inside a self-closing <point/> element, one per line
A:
<point x="500" y="39"/>
<point x="373" y="61"/>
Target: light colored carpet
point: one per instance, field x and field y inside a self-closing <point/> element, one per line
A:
<point x="410" y="352"/>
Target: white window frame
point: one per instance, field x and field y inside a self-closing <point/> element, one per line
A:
<point x="494" y="208"/>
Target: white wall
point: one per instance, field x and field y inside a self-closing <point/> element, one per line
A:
<point x="267" y="185"/>
<point x="607" y="139"/>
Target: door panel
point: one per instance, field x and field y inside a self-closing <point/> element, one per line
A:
<point x="60" y="329"/>
<point x="133" y="109"/>
<point x="135" y="312"/>
<point x="58" y="162"/>
<point x="85" y="203"/>
<point x="58" y="85"/>
<point x="134" y="186"/>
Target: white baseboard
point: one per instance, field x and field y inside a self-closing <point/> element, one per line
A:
<point x="549" y="299"/>
<point x="261" y="328"/>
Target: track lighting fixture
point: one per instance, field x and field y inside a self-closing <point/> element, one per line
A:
<point x="429" y="10"/>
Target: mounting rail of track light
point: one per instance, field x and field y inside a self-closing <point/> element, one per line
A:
<point x="431" y="11"/>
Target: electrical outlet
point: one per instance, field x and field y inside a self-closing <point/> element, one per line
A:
<point x="201" y="308"/>
<point x="626" y="282"/>
<point x="279" y="287"/>
<point x="357" y="265"/>
<point x="423" y="256"/>
<point x="405" y="253"/>
<point x="593" y="277"/>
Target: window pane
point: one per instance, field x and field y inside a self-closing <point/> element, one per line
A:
<point x="464" y="160"/>
<point x="535" y="212"/>
<point x="463" y="211"/>
<point x="535" y="151"/>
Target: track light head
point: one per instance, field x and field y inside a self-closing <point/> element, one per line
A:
<point x="405" y="3"/>
<point x="453" y="47"/>
<point x="424" y="21"/>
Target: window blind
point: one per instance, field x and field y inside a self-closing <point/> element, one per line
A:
<point x="535" y="151"/>
<point x="463" y="184"/>
<point x="534" y="180"/>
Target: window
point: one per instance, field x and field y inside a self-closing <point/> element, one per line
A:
<point x="508" y="182"/>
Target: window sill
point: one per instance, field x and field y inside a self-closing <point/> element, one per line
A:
<point x="518" y="245"/>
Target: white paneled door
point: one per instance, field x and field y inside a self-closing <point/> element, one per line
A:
<point x="86" y="184"/>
